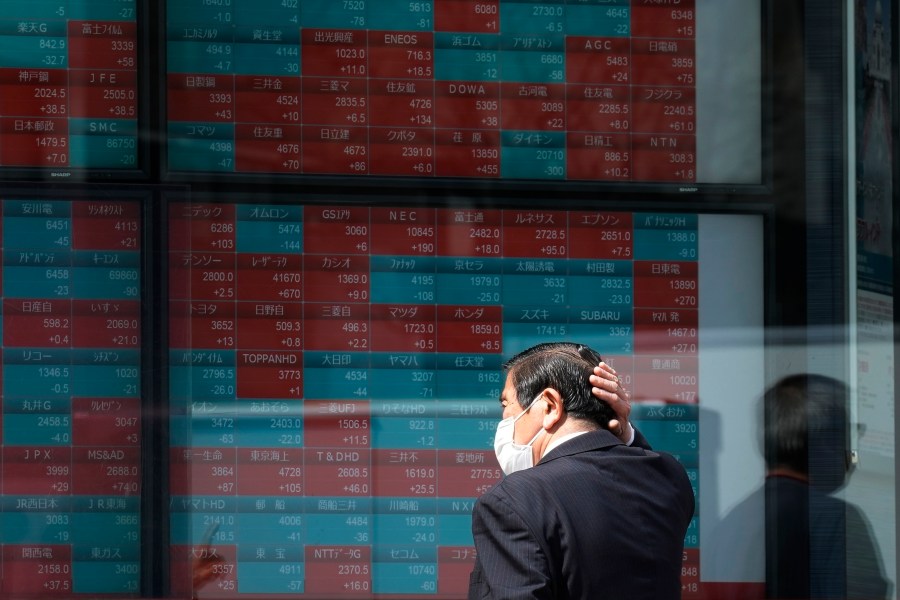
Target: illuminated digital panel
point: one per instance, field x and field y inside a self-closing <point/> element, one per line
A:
<point x="335" y="373"/>
<point x="68" y="84"/>
<point x="71" y="399"/>
<point x="557" y="90"/>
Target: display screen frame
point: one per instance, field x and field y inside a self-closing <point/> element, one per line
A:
<point x="762" y="210"/>
<point x="146" y="137"/>
<point x="499" y="185"/>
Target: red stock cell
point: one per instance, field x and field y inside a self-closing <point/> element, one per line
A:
<point x="108" y="225"/>
<point x="535" y="233"/>
<point x="337" y="327"/>
<point x="469" y="16"/>
<point x="403" y="54"/>
<point x="534" y="107"/>
<point x="102" y="45"/>
<point x="467" y="232"/>
<point x="600" y="235"/>
<point x="664" y="157"/>
<point x="274" y="100"/>
<point x="401" y="151"/>
<point x="45" y="470"/>
<point x="34" y="141"/>
<point x="330" y="570"/>
<point x="269" y="277"/>
<point x="403" y="328"/>
<point x="268" y="148"/>
<point x="467" y="154"/>
<point x="467" y="105"/>
<point x="106" y="324"/>
<point x="340" y="53"/>
<point x="663" y="19"/>
<point x="338" y="472"/>
<point x="470" y="329"/>
<point x="402" y="231"/>
<point x="39" y="323"/>
<point x="270" y="472"/>
<point x="400" y="474"/>
<point x="200" y="97"/>
<point x="112" y="471"/>
<point x="257" y="329"/>
<point x="598" y="60"/>
<point x="42" y="570"/>
<point x="335" y="149"/>
<point x="106" y="422"/>
<point x="401" y="103"/>
<point x="269" y="374"/>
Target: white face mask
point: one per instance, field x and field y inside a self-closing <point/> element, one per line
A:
<point x="512" y="456"/>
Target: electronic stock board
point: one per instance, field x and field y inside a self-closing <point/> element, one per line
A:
<point x="334" y="362"/>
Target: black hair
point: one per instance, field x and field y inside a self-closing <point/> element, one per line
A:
<point x="807" y="427"/>
<point x="565" y="367"/>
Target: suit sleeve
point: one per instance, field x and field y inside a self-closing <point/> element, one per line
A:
<point x="512" y="564"/>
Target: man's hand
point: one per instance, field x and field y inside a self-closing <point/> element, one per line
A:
<point x="607" y="388"/>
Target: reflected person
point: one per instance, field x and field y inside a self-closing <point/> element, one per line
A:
<point x="816" y="545"/>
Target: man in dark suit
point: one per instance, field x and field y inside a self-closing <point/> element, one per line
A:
<point x="594" y="518"/>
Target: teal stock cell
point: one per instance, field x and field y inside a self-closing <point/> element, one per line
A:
<point x="101" y="529"/>
<point x="211" y="382"/>
<point x="32" y="11"/>
<point x="402" y="15"/>
<point x="598" y="18"/>
<point x="523" y="155"/>
<point x="37" y="429"/>
<point x="106" y="577"/>
<point x="675" y="437"/>
<point x="33" y="282"/>
<point x="396" y="529"/>
<point x="666" y="244"/>
<point x="101" y="10"/>
<point x="332" y="529"/>
<point x="269" y="429"/>
<point x="102" y="151"/>
<point x="525" y="335"/>
<point x="521" y="16"/>
<point x="193" y="154"/>
<point x="101" y="283"/>
<point x="404" y="578"/>
<point x="270" y="577"/>
<point x="419" y="432"/>
<point x="277" y="60"/>
<point x="533" y="66"/>
<point x="272" y="237"/>
<point x="271" y="529"/>
<point x="182" y="15"/>
<point x="103" y="381"/>
<point x="455" y="530"/>
<point x="467" y="433"/>
<point x="46" y="50"/>
<point x="328" y="384"/>
<point x="267" y="18"/>
<point x="329" y="14"/>
<point x="214" y="428"/>
<point x="403" y="288"/>
<point x="25" y="527"/>
<point x="469" y="288"/>
<point x="465" y="57"/>
<point x="206" y="56"/>
<point x="51" y="235"/>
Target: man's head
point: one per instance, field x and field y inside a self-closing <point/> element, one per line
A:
<point x="564" y="367"/>
<point x="807" y="428"/>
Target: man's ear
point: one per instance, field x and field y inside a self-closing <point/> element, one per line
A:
<point x="554" y="410"/>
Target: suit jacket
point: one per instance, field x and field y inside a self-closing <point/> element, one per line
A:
<point x="594" y="519"/>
